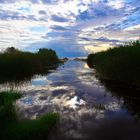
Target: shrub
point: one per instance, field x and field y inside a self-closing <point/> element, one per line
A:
<point x="119" y="64"/>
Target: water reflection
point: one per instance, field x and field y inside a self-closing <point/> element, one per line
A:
<point x="83" y="103"/>
<point x="17" y="80"/>
<point x="129" y="95"/>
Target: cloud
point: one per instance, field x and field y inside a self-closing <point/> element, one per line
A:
<point x="68" y="26"/>
<point x="7" y="1"/>
<point x="94" y="49"/>
<point x="49" y="1"/>
<point x="42" y="12"/>
<point x="59" y="34"/>
<point x="57" y="27"/>
<point x="59" y="18"/>
<point x="133" y="30"/>
<point x="104" y="39"/>
<point x="64" y="48"/>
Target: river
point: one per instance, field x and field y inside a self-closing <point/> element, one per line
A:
<point x="88" y="108"/>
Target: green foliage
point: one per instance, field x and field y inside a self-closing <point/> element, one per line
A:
<point x="31" y="129"/>
<point x="119" y="64"/>
<point x="15" y="129"/>
<point x="7" y="108"/>
<point x="47" y="57"/>
<point x="8" y="97"/>
<point x="18" y="65"/>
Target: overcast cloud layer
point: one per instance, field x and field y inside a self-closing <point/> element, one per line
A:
<point x="71" y="27"/>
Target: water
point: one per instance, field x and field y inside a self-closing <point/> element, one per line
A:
<point x="88" y="108"/>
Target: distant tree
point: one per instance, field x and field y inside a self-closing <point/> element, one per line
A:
<point x="43" y="51"/>
<point x="47" y="56"/>
<point x="46" y="51"/>
<point x="12" y="50"/>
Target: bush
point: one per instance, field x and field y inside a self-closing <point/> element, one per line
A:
<point x="18" y="65"/>
<point x="119" y="64"/>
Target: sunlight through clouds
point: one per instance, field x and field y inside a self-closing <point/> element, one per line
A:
<point x="32" y="24"/>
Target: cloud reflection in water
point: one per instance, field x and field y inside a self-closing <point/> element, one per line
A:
<point x="72" y="91"/>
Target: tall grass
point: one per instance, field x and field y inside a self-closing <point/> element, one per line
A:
<point x="39" y="129"/>
<point x="119" y="64"/>
<point x="13" y="128"/>
<point x="7" y="107"/>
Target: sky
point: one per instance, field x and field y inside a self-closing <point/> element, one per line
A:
<point x="72" y="28"/>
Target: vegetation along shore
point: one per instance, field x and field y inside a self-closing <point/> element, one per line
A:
<point x="14" y="128"/>
<point x="120" y="64"/>
<point x="18" y="65"/>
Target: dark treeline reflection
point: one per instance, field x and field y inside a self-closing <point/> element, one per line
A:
<point x="130" y="96"/>
<point x="17" y="66"/>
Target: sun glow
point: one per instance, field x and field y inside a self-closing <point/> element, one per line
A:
<point x="94" y="49"/>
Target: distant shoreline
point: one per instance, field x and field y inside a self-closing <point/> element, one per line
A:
<point x="74" y="58"/>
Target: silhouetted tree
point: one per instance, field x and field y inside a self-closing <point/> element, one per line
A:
<point x="12" y="50"/>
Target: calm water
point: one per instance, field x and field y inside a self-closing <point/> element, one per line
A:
<point x="88" y="109"/>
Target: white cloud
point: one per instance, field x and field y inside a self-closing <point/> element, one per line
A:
<point x="132" y="28"/>
<point x="89" y="23"/>
<point x="18" y="33"/>
<point x="94" y="49"/>
<point x="117" y="4"/>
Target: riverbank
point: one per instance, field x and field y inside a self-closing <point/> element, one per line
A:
<point x="121" y="64"/>
<point x="15" y="128"/>
<point x="19" y="65"/>
<point x="85" y="106"/>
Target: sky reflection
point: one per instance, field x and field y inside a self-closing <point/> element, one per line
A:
<point x="73" y="91"/>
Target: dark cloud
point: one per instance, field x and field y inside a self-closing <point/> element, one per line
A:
<point x="34" y="1"/>
<point x="84" y="15"/>
<point x="67" y="1"/>
<point x="49" y="1"/>
<point x="11" y="15"/>
<point x="101" y="39"/>
<point x="104" y="39"/>
<point x="86" y="39"/>
<point x="1" y="1"/>
<point x="92" y="13"/>
<point x="131" y="20"/>
<point x="81" y="3"/>
<point x="56" y="34"/>
<point x="60" y="28"/>
<point x="42" y="12"/>
<point x="113" y="27"/>
<point x="7" y="1"/>
<point x="7" y="14"/>
<point x="100" y="13"/>
<point x="59" y="18"/>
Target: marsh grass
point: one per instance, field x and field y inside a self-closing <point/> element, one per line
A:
<point x="118" y="64"/>
<point x="38" y="129"/>
<point x="7" y="107"/>
<point x="13" y="128"/>
<point x="8" y="97"/>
